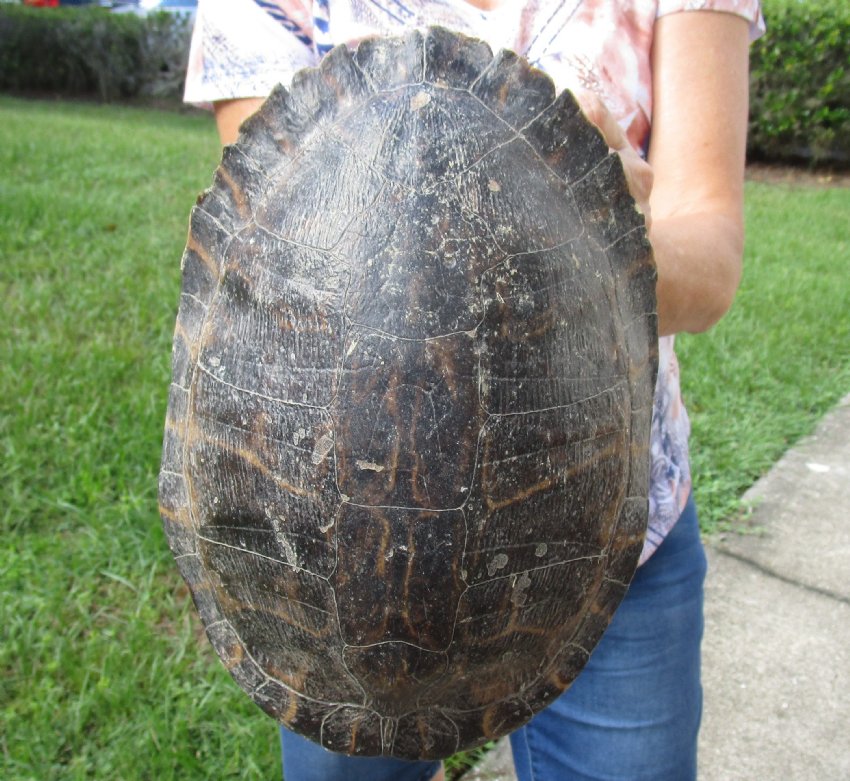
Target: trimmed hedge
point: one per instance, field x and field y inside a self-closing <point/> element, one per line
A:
<point x="90" y="52"/>
<point x="800" y="83"/>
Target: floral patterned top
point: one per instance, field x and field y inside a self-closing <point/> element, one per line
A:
<point x="243" y="48"/>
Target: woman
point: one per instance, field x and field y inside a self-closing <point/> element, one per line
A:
<point x="679" y="68"/>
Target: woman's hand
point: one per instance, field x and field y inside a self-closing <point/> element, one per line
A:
<point x="638" y="172"/>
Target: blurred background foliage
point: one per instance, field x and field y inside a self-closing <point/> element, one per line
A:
<point x="800" y="83"/>
<point x="89" y="51"/>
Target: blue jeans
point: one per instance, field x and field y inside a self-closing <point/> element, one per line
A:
<point x="632" y="715"/>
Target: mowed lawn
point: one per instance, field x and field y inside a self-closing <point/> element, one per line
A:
<point x="104" y="673"/>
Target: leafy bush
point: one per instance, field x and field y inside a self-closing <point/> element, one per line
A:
<point x="800" y="83"/>
<point x="92" y="52"/>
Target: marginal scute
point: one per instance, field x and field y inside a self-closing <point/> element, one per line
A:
<point x="308" y="716"/>
<point x="350" y="730"/>
<point x="263" y="139"/>
<point x="172" y="446"/>
<point x="639" y="469"/>
<point x="240" y="665"/>
<point x="504" y="717"/>
<point x="453" y="60"/>
<point x="392" y="62"/>
<point x="242" y="178"/>
<point x="562" y="671"/>
<point x="405" y="462"/>
<point x="279" y="702"/>
<point x="437" y="731"/>
<point x="343" y="76"/>
<point x="197" y="578"/>
<point x="226" y="201"/>
<point x="200" y="271"/>
<point x="184" y="351"/>
<point x="203" y="256"/>
<point x="316" y="96"/>
<point x="285" y="121"/>
<point x="182" y="539"/>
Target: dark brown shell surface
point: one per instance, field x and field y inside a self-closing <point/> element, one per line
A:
<point x="405" y="467"/>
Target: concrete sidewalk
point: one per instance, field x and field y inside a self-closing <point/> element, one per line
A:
<point x="776" y="655"/>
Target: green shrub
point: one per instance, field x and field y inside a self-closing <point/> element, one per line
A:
<point x="800" y="83"/>
<point x="92" y="52"/>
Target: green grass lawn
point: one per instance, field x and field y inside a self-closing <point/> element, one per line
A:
<point x="780" y="358"/>
<point x="102" y="675"/>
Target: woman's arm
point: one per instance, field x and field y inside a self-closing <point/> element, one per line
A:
<point x="697" y="150"/>
<point x="230" y="114"/>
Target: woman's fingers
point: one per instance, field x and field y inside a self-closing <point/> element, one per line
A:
<point x="638" y="171"/>
<point x="594" y="109"/>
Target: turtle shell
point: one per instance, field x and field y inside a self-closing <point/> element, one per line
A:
<point x="405" y="467"/>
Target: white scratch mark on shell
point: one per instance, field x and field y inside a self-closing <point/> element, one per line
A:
<point x="322" y="448"/>
<point x="520" y="593"/>
<point x="371" y="465"/>
<point x="289" y="550"/>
